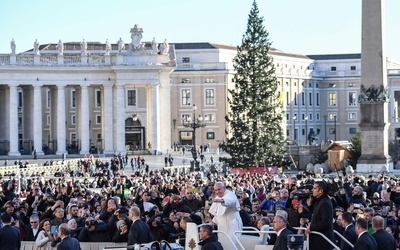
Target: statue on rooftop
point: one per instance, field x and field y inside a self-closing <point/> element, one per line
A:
<point x="13" y="46"/>
<point x="60" y="47"/>
<point x="121" y="45"/>
<point x="165" y="48"/>
<point x="136" y="35"/>
<point x="83" y="48"/>
<point x="108" y="48"/>
<point x="154" y="46"/>
<point x="36" y="47"/>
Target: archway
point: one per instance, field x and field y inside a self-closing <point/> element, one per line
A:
<point x="134" y="135"/>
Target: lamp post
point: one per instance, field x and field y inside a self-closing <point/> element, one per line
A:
<point x="306" y="119"/>
<point x="294" y="128"/>
<point x="198" y="122"/>
<point x="325" y="139"/>
<point x="335" y="117"/>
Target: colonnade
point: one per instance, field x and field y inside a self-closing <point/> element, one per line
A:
<point x="45" y="111"/>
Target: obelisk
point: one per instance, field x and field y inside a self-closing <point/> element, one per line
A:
<point x="373" y="98"/>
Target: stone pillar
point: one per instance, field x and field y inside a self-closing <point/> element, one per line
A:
<point x="107" y="119"/>
<point x="60" y="59"/>
<point x="155" y="119"/>
<point x="165" y="111"/>
<point x="120" y="119"/>
<point x="37" y="119"/>
<point x="374" y="122"/>
<point x="61" y="126"/>
<point x="84" y="120"/>
<point x="13" y="121"/>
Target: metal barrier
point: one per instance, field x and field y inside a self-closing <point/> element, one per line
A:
<point x="31" y="245"/>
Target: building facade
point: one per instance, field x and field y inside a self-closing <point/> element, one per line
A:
<point x="85" y="97"/>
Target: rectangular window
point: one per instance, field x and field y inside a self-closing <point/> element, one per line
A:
<point x="73" y="119"/>
<point x="287" y="117"/>
<point x="287" y="133"/>
<point x="332" y="99"/>
<point x="209" y="80"/>
<point x="186" y="117"/>
<point x="73" y="137"/>
<point x="287" y="98"/>
<point x="303" y="98"/>
<point x="73" y="98"/>
<point x="352" y="131"/>
<point x="210" y="135"/>
<point x="131" y="97"/>
<point x="48" y="98"/>
<point x="310" y="99"/>
<point x="352" y="67"/>
<point x="98" y="98"/>
<point x="317" y="98"/>
<point x="317" y="116"/>
<point x="20" y="100"/>
<point x="310" y="117"/>
<point x="185" y="59"/>
<point x="210" y="98"/>
<point x="295" y="98"/>
<point x="352" y="101"/>
<point x="333" y="68"/>
<point x="48" y="120"/>
<point x="185" y="96"/>
<point x="209" y="117"/>
<point x="353" y="116"/>
<point x="185" y="80"/>
<point x="332" y="116"/>
<point x="98" y="119"/>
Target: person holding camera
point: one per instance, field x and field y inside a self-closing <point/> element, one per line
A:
<point x="94" y="231"/>
<point x="45" y="237"/>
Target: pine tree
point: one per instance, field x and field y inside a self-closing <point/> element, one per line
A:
<point x="254" y="131"/>
<point x="355" y="150"/>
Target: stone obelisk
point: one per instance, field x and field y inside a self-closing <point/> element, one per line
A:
<point x="373" y="98"/>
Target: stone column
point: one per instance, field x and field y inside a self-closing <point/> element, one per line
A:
<point x="61" y="127"/>
<point x="37" y="119"/>
<point x="84" y="120"/>
<point x="13" y="121"/>
<point x="107" y="119"/>
<point x="165" y="111"/>
<point x="120" y="119"/>
<point x="155" y="119"/>
<point x="373" y="108"/>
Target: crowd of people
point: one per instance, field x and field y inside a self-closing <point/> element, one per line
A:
<point x="154" y="205"/>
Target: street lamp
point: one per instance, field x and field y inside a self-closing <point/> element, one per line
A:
<point x="325" y="139"/>
<point x="294" y="128"/>
<point x="306" y="119"/>
<point x="335" y="117"/>
<point x="198" y="122"/>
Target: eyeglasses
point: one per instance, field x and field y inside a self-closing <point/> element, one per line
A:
<point x="33" y="222"/>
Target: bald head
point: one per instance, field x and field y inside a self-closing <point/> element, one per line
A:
<point x="377" y="223"/>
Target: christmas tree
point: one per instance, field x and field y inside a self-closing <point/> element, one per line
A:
<point x="254" y="121"/>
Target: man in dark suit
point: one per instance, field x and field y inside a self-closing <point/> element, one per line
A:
<point x="67" y="242"/>
<point x="279" y="225"/>
<point x="322" y="217"/>
<point x="349" y="231"/>
<point x="32" y="230"/>
<point x="139" y="233"/>
<point x="365" y="241"/>
<point x="10" y="237"/>
<point x="383" y="239"/>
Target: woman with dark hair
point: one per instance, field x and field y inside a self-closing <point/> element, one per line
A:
<point x="45" y="237"/>
<point x="157" y="228"/>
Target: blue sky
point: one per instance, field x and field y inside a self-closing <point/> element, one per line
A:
<point x="296" y="26"/>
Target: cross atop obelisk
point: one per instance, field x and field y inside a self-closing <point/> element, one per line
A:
<point x="373" y="96"/>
